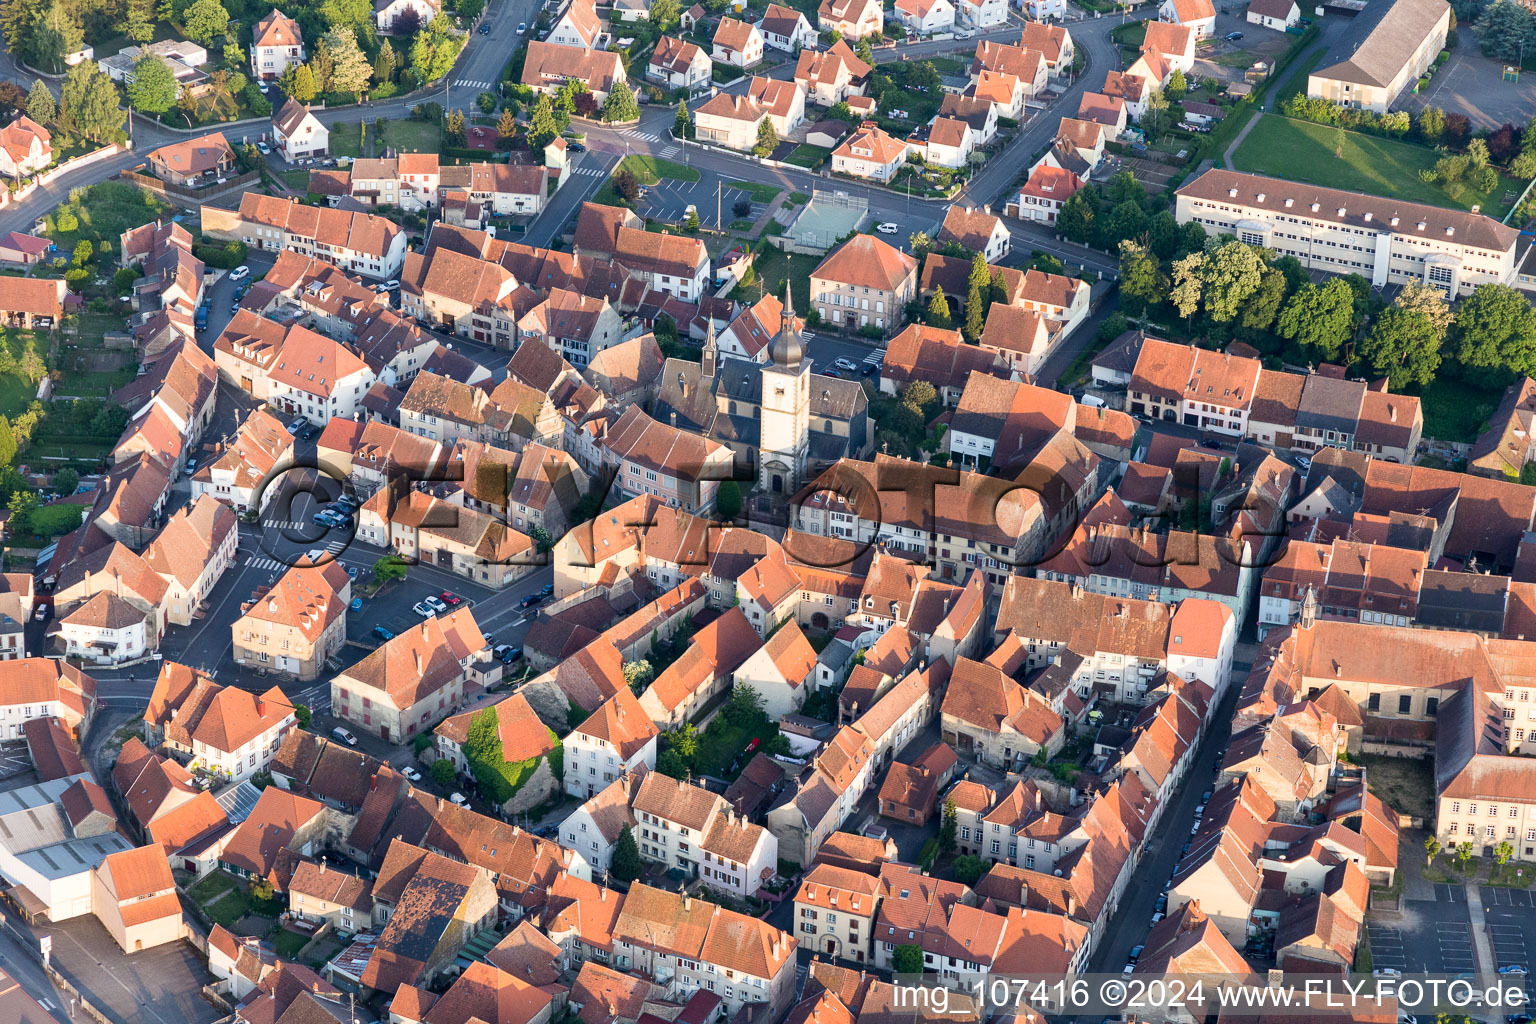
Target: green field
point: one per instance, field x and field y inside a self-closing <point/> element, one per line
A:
<point x="808" y="156"/>
<point x="413" y="136"/>
<point x="1455" y="410"/>
<point x="650" y="169"/>
<point x="772" y="267"/>
<point x="1303" y="151"/>
<point x="104" y="212"/>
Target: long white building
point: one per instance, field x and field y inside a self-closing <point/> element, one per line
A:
<point x="1388" y="241"/>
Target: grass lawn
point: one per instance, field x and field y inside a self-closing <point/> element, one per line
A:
<point x="15" y="395"/>
<point x="650" y="169"/>
<point x="1298" y="80"/>
<point x="1455" y="410"/>
<point x="223" y="897"/>
<point x="1303" y="151"/>
<point x="413" y="136"/>
<point x="345" y="141"/>
<point x="772" y="267"/>
<point x="1132" y="34"/>
<point x="289" y="943"/>
<point x="760" y="192"/>
<point x="105" y="212"/>
<point x="953" y="65"/>
<point x="808" y="156"/>
<point x="1405" y="783"/>
<point x="721" y="743"/>
<point x="298" y="180"/>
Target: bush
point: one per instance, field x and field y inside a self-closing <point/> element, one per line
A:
<point x="77" y="278"/>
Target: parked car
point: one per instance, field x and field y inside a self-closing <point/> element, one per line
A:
<point x="485" y="28"/>
<point x="511" y="654"/>
<point x="1513" y="969"/>
<point x="263" y="148"/>
<point x="345" y="736"/>
<point x="450" y="597"/>
<point x="870" y="370"/>
<point x="547" y="590"/>
<point x="1233" y="37"/>
<point x="530" y="600"/>
<point x="499" y="652"/>
<point x="522" y="27"/>
<point x="411" y="773"/>
<point x="889" y="227"/>
<point x="435" y="603"/>
<point x="1387" y="972"/>
<point x="240" y="273"/>
<point x="297" y="424"/>
<point x="1136" y="952"/>
<point x="421" y="608"/>
<point x="382" y="633"/>
<point x="845" y="364"/>
<point x="357" y="604"/>
<point x="575" y="147"/>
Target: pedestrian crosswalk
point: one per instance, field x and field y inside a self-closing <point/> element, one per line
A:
<point x="638" y="133"/>
<point x="470" y="83"/>
<point x="875" y="356"/>
<point x="589" y="171"/>
<point x="668" y="152"/>
<point x="265" y="561"/>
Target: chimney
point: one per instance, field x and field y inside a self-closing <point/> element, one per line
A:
<point x="322" y="865"/>
<point x="417" y="655"/>
<point x="1071" y="903"/>
<point x="687" y="902"/>
<point x="602" y="895"/>
<point x="373" y="783"/>
<point x="261" y="707"/>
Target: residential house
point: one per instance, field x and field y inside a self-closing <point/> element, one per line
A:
<point x="782" y="671"/>
<point x="292" y="626"/>
<point x="615" y="741"/>
<point x="925" y="17"/>
<point x="359" y="243"/>
<point x="852" y="19"/>
<point x="192" y="162"/>
<point x="192" y="553"/>
<point x="829" y="76"/>
<point x="1276" y="14"/>
<point x="688" y="828"/>
<point x="870" y="153"/>
<point x="977" y="230"/>
<point x="865" y="282"/>
<point x="298" y="133"/>
<point x="1381" y="55"/>
<point x="678" y="64"/>
<point x="226" y="732"/>
<point x="410" y="681"/>
<point x="835" y="910"/>
<point x="276" y="43"/>
<point x="26" y="147"/>
<point x="579" y="26"/>
<point x="1199" y="15"/>
<point x="401" y="15"/>
<point x="785" y="28"/>
<point x="134" y="897"/>
<point x="738" y="43"/>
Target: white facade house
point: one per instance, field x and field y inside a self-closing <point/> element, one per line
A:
<point x="1274" y="14"/>
<point x="618" y="738"/>
<point x="925" y="17"/>
<point x="1044" y="10"/>
<point x="276" y="43"/>
<point x="983" y="14"/>
<point x="299" y="134"/>
<point x="394" y="11"/>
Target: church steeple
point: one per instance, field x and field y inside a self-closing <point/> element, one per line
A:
<point x="711" y="358"/>
<point x="787" y="348"/>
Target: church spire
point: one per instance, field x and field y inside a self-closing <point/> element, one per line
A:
<point x="787" y="348"/>
<point x="711" y="357"/>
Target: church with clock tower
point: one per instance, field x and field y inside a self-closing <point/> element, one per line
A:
<point x="784" y="442"/>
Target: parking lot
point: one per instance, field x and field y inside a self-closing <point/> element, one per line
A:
<point x="1474" y="85"/>
<point x="14" y="760"/>
<point x="669" y="201"/>
<point x="1429" y="936"/>
<point x="1511" y="928"/>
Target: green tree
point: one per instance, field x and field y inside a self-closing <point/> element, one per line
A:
<point x="1402" y="346"/>
<point x="918" y="395"/>
<point x="542" y="128"/>
<point x="154" y="88"/>
<point x="454" y="127"/>
<point x="66" y="481"/>
<point x="7" y="442"/>
<point x="443" y="772"/>
<point x="1431" y="847"/>
<point x="1142" y="283"/>
<point x="691" y="222"/>
<point x="88" y="104"/>
<point x="384" y="64"/>
<point x="1177" y="87"/>
<point x="40" y="104"/>
<point x="1428" y="302"/>
<point x="1075" y="220"/>
<point x="390" y="568"/>
<point x="682" y="124"/>
<point x="627" y="185"/>
<point x="978" y="293"/>
<point x="303" y="715"/>
<point x="621" y="105"/>
<point x="1495" y="330"/>
<point x="18" y="19"/>
<point x="625" y="865"/>
<point x="938" y="310"/>
<point x="262" y="889"/>
<point x="1263" y="305"/>
<point x="967" y="870"/>
<point x="1504" y="30"/>
<point x="433" y="51"/>
<point x="1155" y="119"/>
<point x="1503" y="852"/>
<point x="321" y="64"/>
<point x="355" y="14"/>
<point x="84" y="250"/>
<point x="1318" y="319"/>
<point x="949" y="830"/>
<point x="1464" y="855"/>
<point x="907" y="959"/>
<point x="350" y="69"/>
<point x="1431" y="125"/>
<point x="205" y="21"/>
<point x="864" y="51"/>
<point x="302" y="85"/>
<point x="767" y="138"/>
<point x="743" y="707"/>
<point x="638" y="674"/>
<point x="728" y="500"/>
<point x="486" y="102"/>
<point x="671" y="764"/>
<point x="55" y="34"/>
<point x="506" y="125"/>
<point x="1188" y="277"/>
<point x="22" y="504"/>
<point x="1231" y="273"/>
<point x="665" y="14"/>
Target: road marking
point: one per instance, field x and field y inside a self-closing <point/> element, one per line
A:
<point x="875" y="358"/>
<point x="668" y="152"/>
<point x="469" y="84"/>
